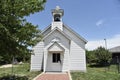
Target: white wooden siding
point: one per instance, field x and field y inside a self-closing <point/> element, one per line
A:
<point x="77" y="57"/>
<point x="65" y="60"/>
<point x="63" y="42"/>
<point x="57" y="24"/>
<point x="55" y="48"/>
<point x="73" y="37"/>
<point x="77" y="52"/>
<point x="37" y="57"/>
<point x="57" y="34"/>
<point x="74" y="51"/>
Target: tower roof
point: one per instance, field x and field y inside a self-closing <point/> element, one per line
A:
<point x="57" y="10"/>
<point x="57" y="7"/>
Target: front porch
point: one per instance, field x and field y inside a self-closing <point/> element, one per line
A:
<point x="54" y="58"/>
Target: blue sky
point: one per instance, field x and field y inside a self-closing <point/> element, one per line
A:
<point x="92" y="19"/>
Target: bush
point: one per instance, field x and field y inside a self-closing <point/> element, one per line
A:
<point x="91" y="58"/>
<point x="100" y="56"/>
<point x="103" y="56"/>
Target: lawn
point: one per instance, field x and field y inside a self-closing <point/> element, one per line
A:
<point x="97" y="73"/>
<point x="20" y="72"/>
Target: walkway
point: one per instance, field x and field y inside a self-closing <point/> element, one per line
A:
<point x="54" y="76"/>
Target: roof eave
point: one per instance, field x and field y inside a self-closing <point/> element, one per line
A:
<point x="59" y="31"/>
<point x="46" y="28"/>
<point x="80" y="37"/>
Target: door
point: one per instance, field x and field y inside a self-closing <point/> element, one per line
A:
<point x="54" y="62"/>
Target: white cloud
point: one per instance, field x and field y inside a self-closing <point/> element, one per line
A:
<point x="111" y="42"/>
<point x="100" y="22"/>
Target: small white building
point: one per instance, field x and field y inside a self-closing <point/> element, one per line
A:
<point x="61" y="49"/>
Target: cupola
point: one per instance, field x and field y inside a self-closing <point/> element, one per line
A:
<point x="57" y="14"/>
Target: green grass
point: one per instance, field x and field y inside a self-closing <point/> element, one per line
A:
<point x="20" y="71"/>
<point x="97" y="73"/>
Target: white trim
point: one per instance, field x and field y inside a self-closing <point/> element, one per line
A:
<point x="71" y="30"/>
<point x="46" y="53"/>
<point x="70" y="77"/>
<point x="44" y="61"/>
<point x="46" y="29"/>
<point x="58" y="45"/>
<point x="64" y="25"/>
<point x="38" y="76"/>
<point x="65" y="35"/>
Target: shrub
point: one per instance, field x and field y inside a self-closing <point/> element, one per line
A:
<point x="103" y="56"/>
<point x="100" y="56"/>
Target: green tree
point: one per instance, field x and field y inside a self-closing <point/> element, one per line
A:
<point x="103" y="56"/>
<point x="16" y="34"/>
<point x="91" y="58"/>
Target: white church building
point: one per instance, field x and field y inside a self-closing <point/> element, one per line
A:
<point x="61" y="49"/>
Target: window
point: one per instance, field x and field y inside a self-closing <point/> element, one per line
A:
<point x="57" y="17"/>
<point x="56" y="57"/>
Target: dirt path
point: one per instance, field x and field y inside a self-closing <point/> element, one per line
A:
<point x="6" y="66"/>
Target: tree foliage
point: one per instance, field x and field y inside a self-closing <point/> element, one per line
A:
<point x="103" y="56"/>
<point x="100" y="56"/>
<point x="91" y="58"/>
<point x="16" y="34"/>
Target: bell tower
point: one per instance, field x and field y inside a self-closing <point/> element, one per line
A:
<point x="57" y="14"/>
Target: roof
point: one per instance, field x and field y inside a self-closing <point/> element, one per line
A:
<point x="46" y="28"/>
<point x="59" y="31"/>
<point x="58" y="46"/>
<point x="115" y="49"/>
<point x="80" y="37"/>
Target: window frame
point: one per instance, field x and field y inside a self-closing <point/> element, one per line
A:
<point x="56" y="57"/>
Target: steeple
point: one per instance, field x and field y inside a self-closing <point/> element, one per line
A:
<point x="57" y="14"/>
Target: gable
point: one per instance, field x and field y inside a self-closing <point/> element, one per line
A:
<point x="54" y="33"/>
<point x="55" y="47"/>
<point x="66" y="30"/>
<point x="57" y="35"/>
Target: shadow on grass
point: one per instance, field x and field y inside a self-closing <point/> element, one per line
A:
<point x="9" y="77"/>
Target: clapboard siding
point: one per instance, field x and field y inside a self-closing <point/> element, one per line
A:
<point x="77" y="57"/>
<point x="37" y="57"/>
<point x="74" y="51"/>
<point x="77" y="51"/>
<point x="58" y="25"/>
<point x="64" y="42"/>
<point x="74" y="38"/>
<point x="57" y="34"/>
<point x="66" y="61"/>
<point x="71" y="44"/>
